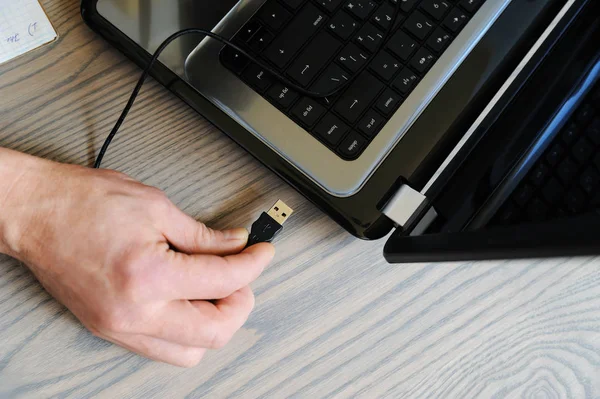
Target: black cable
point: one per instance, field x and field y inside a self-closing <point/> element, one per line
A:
<point x="252" y="58"/>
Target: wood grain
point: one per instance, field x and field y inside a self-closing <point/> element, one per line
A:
<point x="332" y="319"/>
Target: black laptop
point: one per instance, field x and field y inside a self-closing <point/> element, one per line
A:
<point x="470" y="127"/>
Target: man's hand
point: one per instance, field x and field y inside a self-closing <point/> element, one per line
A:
<point x="133" y="268"/>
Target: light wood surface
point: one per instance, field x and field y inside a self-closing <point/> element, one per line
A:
<point x="332" y="318"/>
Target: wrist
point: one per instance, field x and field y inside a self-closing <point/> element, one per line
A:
<point x="21" y="176"/>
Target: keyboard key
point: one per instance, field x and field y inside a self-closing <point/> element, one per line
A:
<point x="308" y="111"/>
<point x="405" y="82"/>
<point x="407" y="5"/>
<point x="436" y="8"/>
<point x="523" y="195"/>
<point x="331" y="129"/>
<point x="361" y="93"/>
<point x="539" y="173"/>
<point x="246" y="33"/>
<point x="233" y="59"/>
<point x="329" y="5"/>
<point x="293" y="4"/>
<point x="419" y="25"/>
<point x="361" y="9"/>
<point x="295" y="35"/>
<point x="388" y="102"/>
<point x="575" y="200"/>
<point x="566" y="170"/>
<point x="439" y="40"/>
<point x="471" y="5"/>
<point x="343" y="25"/>
<point x="332" y="78"/>
<point x="423" y="60"/>
<point x="583" y="150"/>
<point x="282" y="95"/>
<point x="260" y="41"/>
<point x="371" y="123"/>
<point x="352" y="145"/>
<point x="384" y="15"/>
<point x="402" y="45"/>
<point x="313" y="58"/>
<point x="553" y="191"/>
<point x="593" y="131"/>
<point x="328" y="101"/>
<point x="555" y="154"/>
<point x="570" y="134"/>
<point x="584" y="115"/>
<point x="257" y="77"/>
<point x="590" y="179"/>
<point x="352" y="58"/>
<point x="369" y="37"/>
<point x="455" y="20"/>
<point x="385" y="66"/>
<point x="274" y="15"/>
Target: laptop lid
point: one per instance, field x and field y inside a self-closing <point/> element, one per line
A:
<point x="557" y="69"/>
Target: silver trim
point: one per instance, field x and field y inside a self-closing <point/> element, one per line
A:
<point x="424" y="223"/>
<point x="498" y="96"/>
<point x="334" y="175"/>
<point x="149" y="22"/>
<point x="405" y="206"/>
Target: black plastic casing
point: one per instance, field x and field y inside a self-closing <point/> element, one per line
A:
<point x="578" y="236"/>
<point x="264" y="229"/>
<point x="424" y="146"/>
<point x="505" y="137"/>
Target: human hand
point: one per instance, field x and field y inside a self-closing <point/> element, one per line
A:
<point x="133" y="268"/>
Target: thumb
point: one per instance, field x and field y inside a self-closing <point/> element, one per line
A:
<point x="192" y="237"/>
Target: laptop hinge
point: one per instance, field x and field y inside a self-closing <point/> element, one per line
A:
<point x="410" y="210"/>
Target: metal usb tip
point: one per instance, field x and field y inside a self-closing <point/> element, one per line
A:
<point x="280" y="212"/>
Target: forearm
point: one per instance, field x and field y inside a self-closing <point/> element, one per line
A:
<point x="20" y="178"/>
<point x="125" y="260"/>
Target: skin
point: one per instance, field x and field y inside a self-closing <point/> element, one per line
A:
<point x="132" y="267"/>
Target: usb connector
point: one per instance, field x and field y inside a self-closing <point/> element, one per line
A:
<point x="269" y="224"/>
<point x="280" y="212"/>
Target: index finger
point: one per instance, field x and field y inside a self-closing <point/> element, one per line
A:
<point x="207" y="277"/>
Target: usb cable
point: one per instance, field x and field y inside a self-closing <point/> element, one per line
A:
<point x="280" y="76"/>
<point x="269" y="224"/>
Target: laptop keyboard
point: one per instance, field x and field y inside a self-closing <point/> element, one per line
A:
<point x="319" y="44"/>
<point x="566" y="179"/>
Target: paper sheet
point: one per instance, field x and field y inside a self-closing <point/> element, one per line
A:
<point x="24" y="26"/>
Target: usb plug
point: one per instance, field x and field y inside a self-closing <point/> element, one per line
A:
<point x="269" y="224"/>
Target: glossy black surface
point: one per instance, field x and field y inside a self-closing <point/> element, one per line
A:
<point x="576" y="236"/>
<point x="519" y="119"/>
<point x="423" y="147"/>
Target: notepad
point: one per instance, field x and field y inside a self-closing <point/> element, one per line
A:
<point x="24" y="26"/>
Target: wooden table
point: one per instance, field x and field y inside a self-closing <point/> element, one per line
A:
<point x="332" y="318"/>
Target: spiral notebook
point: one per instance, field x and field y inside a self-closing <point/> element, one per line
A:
<point x="24" y="26"/>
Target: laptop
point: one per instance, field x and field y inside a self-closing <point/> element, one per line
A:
<point x="470" y="128"/>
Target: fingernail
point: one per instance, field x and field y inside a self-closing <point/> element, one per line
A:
<point x="236" y="234"/>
